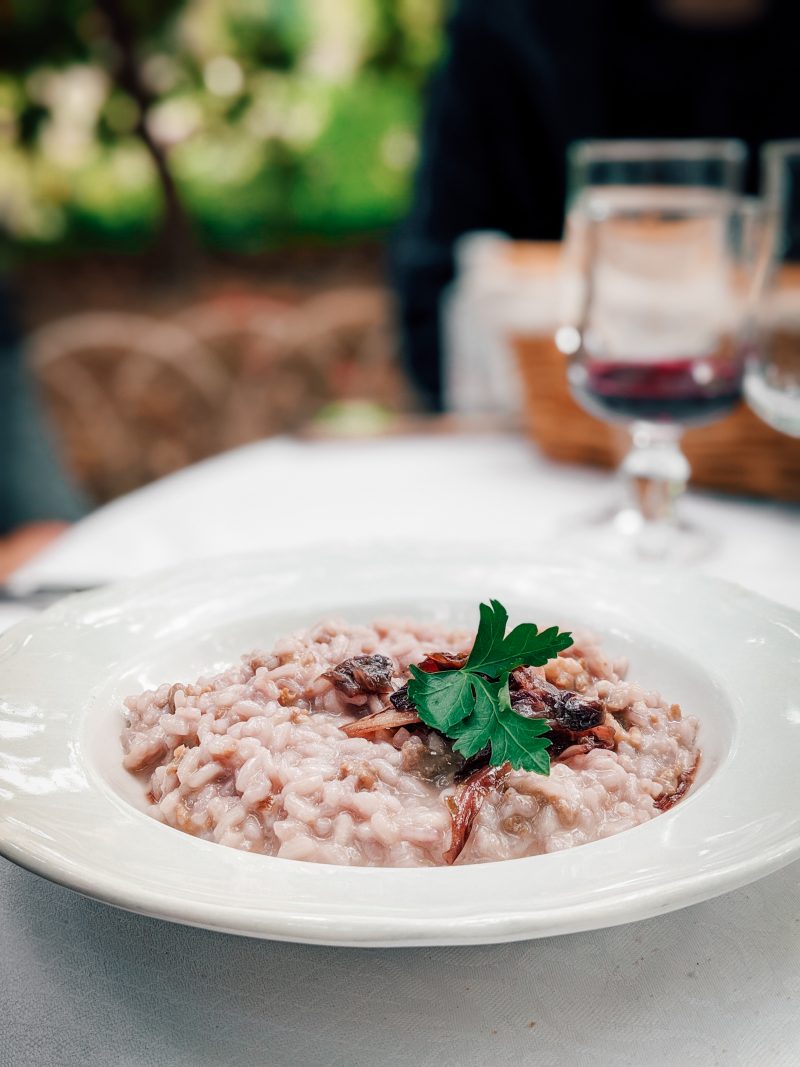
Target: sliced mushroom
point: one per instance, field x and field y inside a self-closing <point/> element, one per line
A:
<point x="385" y="719"/>
<point x="362" y="675"/>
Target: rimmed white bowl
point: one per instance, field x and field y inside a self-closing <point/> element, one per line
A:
<point x="70" y="813"/>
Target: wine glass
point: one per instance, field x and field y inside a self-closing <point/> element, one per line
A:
<point x="772" y="376"/>
<point x="656" y="280"/>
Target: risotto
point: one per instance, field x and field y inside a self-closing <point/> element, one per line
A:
<point x="312" y="751"/>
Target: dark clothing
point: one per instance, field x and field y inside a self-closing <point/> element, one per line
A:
<point x="523" y="79"/>
<point x="33" y="487"/>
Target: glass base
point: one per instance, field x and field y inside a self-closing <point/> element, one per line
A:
<point x="620" y="534"/>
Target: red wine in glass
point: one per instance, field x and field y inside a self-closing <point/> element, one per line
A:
<point x="689" y="391"/>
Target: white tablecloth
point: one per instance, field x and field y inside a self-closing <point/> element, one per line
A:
<point x="82" y="984"/>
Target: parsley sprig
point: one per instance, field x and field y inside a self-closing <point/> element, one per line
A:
<point x="473" y="705"/>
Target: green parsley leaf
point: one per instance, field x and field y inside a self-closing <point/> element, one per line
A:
<point x="493" y="653"/>
<point x="449" y="696"/>
<point x="475" y="731"/>
<point x="473" y="705"/>
<point x="515" y="739"/>
<point x="492" y="626"/>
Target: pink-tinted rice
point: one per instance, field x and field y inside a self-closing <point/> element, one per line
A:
<point x="255" y="758"/>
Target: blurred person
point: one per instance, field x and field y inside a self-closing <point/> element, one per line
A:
<point x="37" y="499"/>
<point x="523" y="79"/>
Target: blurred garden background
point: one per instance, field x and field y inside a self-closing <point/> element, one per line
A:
<point x="261" y="121"/>
<point x="194" y="201"/>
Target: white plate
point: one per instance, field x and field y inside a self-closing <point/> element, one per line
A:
<point x="70" y="813"/>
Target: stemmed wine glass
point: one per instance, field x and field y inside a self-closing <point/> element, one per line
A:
<point x="772" y="377"/>
<point x="657" y="279"/>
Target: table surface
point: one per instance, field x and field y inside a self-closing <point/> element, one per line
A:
<point x="82" y="983"/>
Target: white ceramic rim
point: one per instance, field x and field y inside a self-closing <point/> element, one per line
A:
<point x="60" y="819"/>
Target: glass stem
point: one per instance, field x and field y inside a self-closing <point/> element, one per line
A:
<point x="656" y="471"/>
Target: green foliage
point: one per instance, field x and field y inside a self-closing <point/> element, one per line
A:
<point x="472" y="705"/>
<point x="276" y="117"/>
